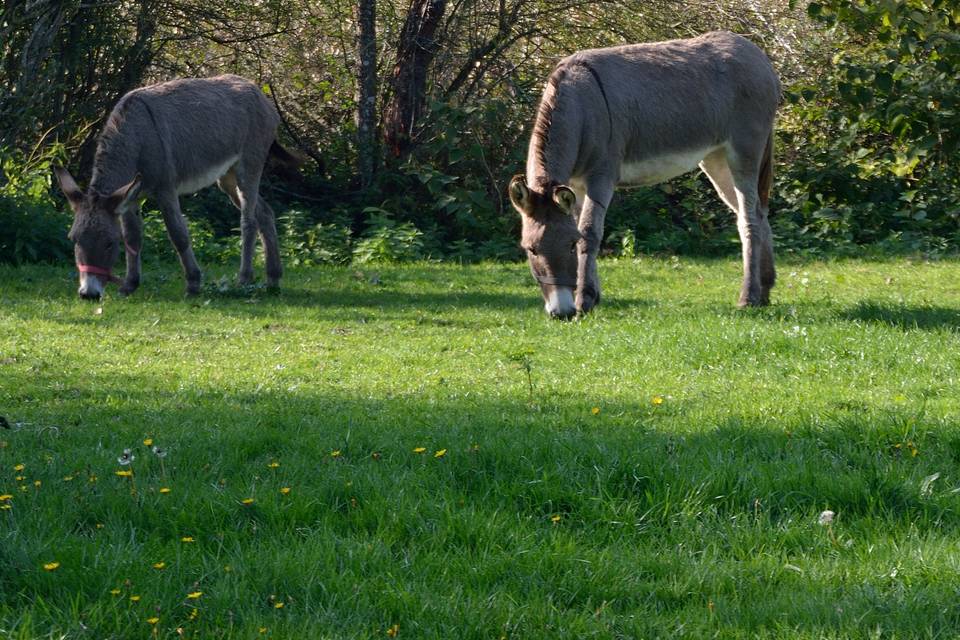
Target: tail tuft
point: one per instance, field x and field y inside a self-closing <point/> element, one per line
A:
<point x="765" y="180"/>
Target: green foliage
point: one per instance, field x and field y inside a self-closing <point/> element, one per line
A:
<point x="868" y="147"/>
<point x="32" y="228"/>
<point x="387" y="241"/>
<point x="308" y="244"/>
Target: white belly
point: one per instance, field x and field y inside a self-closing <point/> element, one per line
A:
<point x="655" y="170"/>
<point x="192" y="184"/>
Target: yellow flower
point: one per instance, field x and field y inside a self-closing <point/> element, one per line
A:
<point x="147" y="442"/>
<point x="92" y="478"/>
<point x="6" y="507"/>
<point x="19" y="478"/>
<point x="51" y="566"/>
<point x="555" y="519"/>
<point x="247" y="501"/>
<point x="153" y="620"/>
<point x="67" y="478"/>
<point x="123" y="473"/>
<point x="227" y="568"/>
<point x="595" y="411"/>
<point x="6" y="496"/>
<point x="186" y="539"/>
<point x="285" y="490"/>
<point x="393" y="631"/>
<point x="278" y="605"/>
<point x="274" y="464"/>
<point x="194" y="613"/>
<point x="335" y="453"/>
<point x="19" y="467"/>
<point x="194" y="595"/>
<point x="159" y="565"/>
<point x="134" y="598"/>
<point x="657" y="400"/>
<point x="419" y="449"/>
<point x="114" y="592"/>
<point x="37" y="483"/>
<point x="263" y="630"/>
<point x="440" y="453"/>
<point x="99" y="525"/>
<point x="164" y="490"/>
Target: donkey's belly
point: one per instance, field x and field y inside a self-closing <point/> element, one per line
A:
<point x="197" y="181"/>
<point x="652" y="171"/>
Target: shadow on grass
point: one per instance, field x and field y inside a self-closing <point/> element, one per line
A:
<point x="906" y="317"/>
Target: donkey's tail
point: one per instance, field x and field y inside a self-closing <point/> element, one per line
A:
<point x="766" y="173"/>
<point x="286" y="158"/>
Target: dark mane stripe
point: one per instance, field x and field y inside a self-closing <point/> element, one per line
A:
<point x="544" y="119"/>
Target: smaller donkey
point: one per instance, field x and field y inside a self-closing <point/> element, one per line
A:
<point x="639" y="115"/>
<point x="165" y="141"/>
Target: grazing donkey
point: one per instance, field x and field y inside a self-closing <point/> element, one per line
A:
<point x="167" y="140"/>
<point x="639" y="115"/>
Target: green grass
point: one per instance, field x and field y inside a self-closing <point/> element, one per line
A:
<point x="695" y="517"/>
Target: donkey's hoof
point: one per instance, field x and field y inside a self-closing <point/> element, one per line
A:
<point x="244" y="279"/>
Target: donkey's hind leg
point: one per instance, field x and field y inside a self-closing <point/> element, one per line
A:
<point x="736" y="180"/>
<point x="268" y="238"/>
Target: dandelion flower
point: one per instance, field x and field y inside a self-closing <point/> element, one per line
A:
<point x="37" y="483"/>
<point x="99" y="525"/>
<point x="419" y="449"/>
<point x="274" y="464"/>
<point x="262" y="630"/>
<point x="555" y="519"/>
<point x="375" y="455"/>
<point x="164" y="489"/>
<point x="826" y="517"/>
<point x="114" y="592"/>
<point x="285" y="490"/>
<point x="6" y="496"/>
<point x="657" y="400"/>
<point x="159" y="565"/>
<point x="92" y="478"/>
<point x="336" y="453"/>
<point x="19" y="478"/>
<point x="67" y="478"/>
<point x="393" y="631"/>
<point x="595" y="411"/>
<point x="6" y="506"/>
<point x="194" y="613"/>
<point x="126" y="457"/>
<point x="134" y="598"/>
<point x="51" y="566"/>
<point x="278" y="605"/>
<point x="194" y="595"/>
<point x="153" y="620"/>
<point x="147" y="442"/>
<point x="247" y="501"/>
<point x="186" y="539"/>
<point x="19" y="467"/>
<point x="124" y="473"/>
<point x="440" y="453"/>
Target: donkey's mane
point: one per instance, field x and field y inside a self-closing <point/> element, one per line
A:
<point x="544" y="118"/>
<point x="111" y="142"/>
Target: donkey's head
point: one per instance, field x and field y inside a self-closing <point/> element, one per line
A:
<point x="550" y="238"/>
<point x="96" y="233"/>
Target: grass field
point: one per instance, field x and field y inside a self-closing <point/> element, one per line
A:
<point x="417" y="451"/>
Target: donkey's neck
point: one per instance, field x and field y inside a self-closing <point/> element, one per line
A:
<point x="555" y="140"/>
<point x="118" y="150"/>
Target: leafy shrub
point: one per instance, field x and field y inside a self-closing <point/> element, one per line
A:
<point x="32" y="226"/>
<point x="387" y="240"/>
<point x="303" y="243"/>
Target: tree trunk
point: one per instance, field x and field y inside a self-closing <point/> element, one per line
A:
<point x="415" y="52"/>
<point x="367" y="98"/>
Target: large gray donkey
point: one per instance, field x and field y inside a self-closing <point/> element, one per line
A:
<point x="639" y="115"/>
<point x="167" y="140"/>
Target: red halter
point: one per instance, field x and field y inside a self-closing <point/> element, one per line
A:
<point x="106" y="274"/>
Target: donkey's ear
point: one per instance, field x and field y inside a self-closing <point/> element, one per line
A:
<point x="69" y="186"/>
<point x="120" y="199"/>
<point x="519" y="193"/>
<point x="565" y="198"/>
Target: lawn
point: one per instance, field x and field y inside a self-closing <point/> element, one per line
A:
<point x="417" y="451"/>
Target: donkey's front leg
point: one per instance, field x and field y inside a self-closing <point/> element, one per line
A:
<point x="591" y="229"/>
<point x="132" y="227"/>
<point x="757" y="248"/>
<point x="177" y="229"/>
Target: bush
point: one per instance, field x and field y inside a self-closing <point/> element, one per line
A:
<point x="387" y="240"/>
